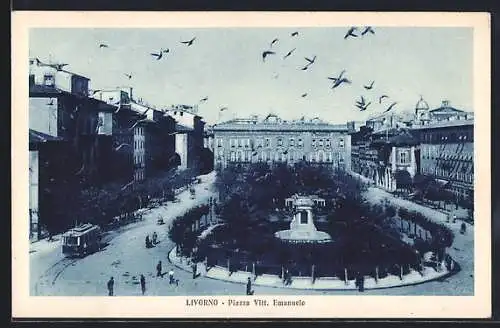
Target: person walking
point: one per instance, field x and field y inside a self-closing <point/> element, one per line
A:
<point x="171" y="277"/>
<point x="158" y="269"/>
<point x="249" y="286"/>
<point x="148" y="242"/>
<point x="195" y="269"/>
<point x="155" y="236"/>
<point x="143" y="284"/>
<point x="111" y="283"/>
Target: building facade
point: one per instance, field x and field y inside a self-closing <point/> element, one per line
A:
<point x="389" y="158"/>
<point x="447" y="154"/>
<point x="274" y="140"/>
<point x="189" y="137"/>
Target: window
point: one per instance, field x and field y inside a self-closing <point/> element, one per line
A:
<point x="292" y="142"/>
<point x="313" y="143"/>
<point x="303" y="217"/>
<point x="233" y="156"/>
<point x="247" y="143"/>
<point x="232" y="142"/>
<point x="403" y="158"/>
<point x="327" y="143"/>
<point x="239" y="143"/>
<point x="259" y="143"/>
<point x="268" y="142"/>
<point x="48" y="80"/>
<point x="320" y="142"/>
<point x="300" y="142"/>
<point x="329" y="158"/>
<point x="341" y="143"/>
<point x="219" y="142"/>
<point x="182" y="113"/>
<point x="280" y="142"/>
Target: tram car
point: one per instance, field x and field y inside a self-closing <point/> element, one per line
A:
<point x="81" y="240"/>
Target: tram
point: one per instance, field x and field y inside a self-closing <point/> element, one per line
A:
<point x="81" y="240"/>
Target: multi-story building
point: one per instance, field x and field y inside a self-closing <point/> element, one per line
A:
<point x="425" y="116"/>
<point x="275" y="140"/>
<point x="189" y="137"/>
<point x="447" y="154"/>
<point x="143" y="137"/>
<point x="70" y="140"/>
<point x="397" y="155"/>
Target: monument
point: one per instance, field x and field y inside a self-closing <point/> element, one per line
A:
<point x="302" y="228"/>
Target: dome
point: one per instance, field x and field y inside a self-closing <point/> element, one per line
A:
<point x="422" y="104"/>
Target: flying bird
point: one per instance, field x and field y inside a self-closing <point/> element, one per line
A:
<point x="51" y="102"/>
<point x="102" y="45"/>
<point x="382" y="98"/>
<point x="190" y="42"/>
<point x="93" y="92"/>
<point x="289" y="53"/>
<point x="274" y="41"/>
<point x="204" y="99"/>
<point x="276" y="75"/>
<point x="223" y="109"/>
<point x="158" y="55"/>
<point x="311" y="61"/>
<point x="337" y="81"/>
<point x="363" y="107"/>
<point x="295" y="33"/>
<point x="370" y="86"/>
<point x="58" y="66"/>
<point x="390" y="107"/>
<point x="304" y="95"/>
<point x="350" y="32"/>
<point x="129" y="76"/>
<point x="368" y="29"/>
<point x="361" y="104"/>
<point x="267" y="53"/>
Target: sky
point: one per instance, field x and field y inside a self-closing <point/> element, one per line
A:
<point x="225" y="65"/>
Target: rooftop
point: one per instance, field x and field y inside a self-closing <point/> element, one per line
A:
<point x="274" y="123"/>
<point x="443" y="124"/>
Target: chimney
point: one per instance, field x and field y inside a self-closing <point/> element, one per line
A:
<point x="445" y="103"/>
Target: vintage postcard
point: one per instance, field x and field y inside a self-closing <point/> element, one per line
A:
<point x="251" y="164"/>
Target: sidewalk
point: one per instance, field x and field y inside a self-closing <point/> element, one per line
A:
<point x="461" y="212"/>
<point x="323" y="283"/>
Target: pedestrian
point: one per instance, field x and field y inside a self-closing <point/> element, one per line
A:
<point x="463" y="227"/>
<point x="148" y="242"/>
<point x="111" y="283"/>
<point x="158" y="269"/>
<point x="249" y="286"/>
<point x="155" y="236"/>
<point x="454" y="218"/>
<point x="362" y="283"/>
<point x="194" y="267"/>
<point x="171" y="277"/>
<point x="143" y="284"/>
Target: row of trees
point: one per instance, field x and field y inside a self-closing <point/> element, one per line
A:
<point x="99" y="205"/>
<point x="185" y="229"/>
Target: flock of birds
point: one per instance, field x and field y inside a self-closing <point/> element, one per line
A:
<point x="336" y="81"/>
<point x="340" y="79"/>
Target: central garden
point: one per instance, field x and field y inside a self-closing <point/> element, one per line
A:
<point x="367" y="239"/>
